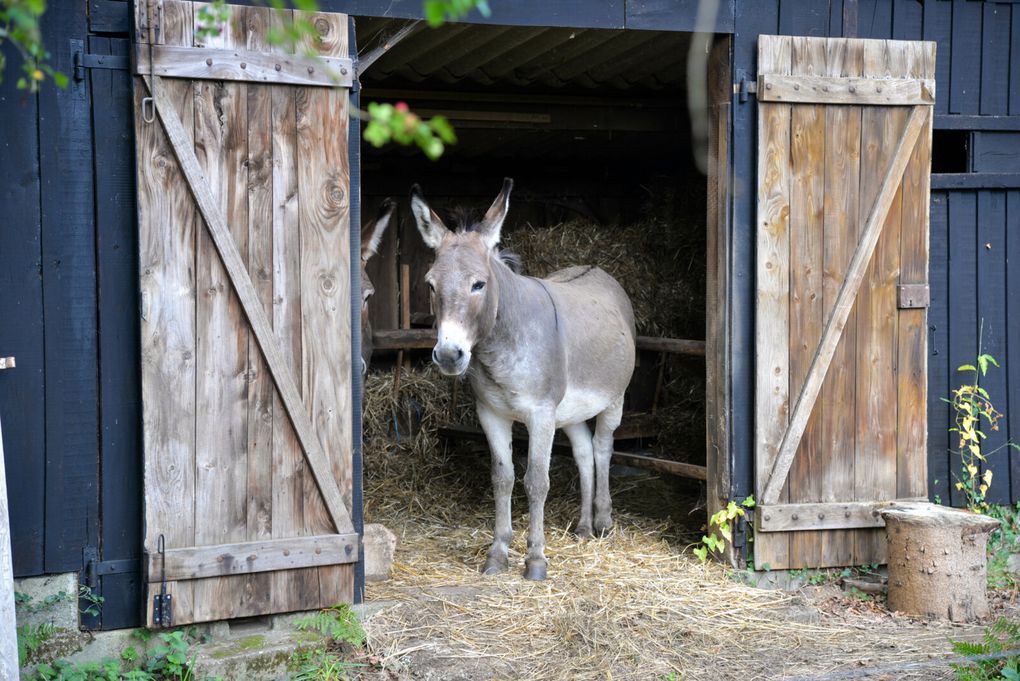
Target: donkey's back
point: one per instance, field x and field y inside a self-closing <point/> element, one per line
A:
<point x="597" y="329"/>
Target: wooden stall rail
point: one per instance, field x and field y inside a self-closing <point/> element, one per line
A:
<point x="424" y="339"/>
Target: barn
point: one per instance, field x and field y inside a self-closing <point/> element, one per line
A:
<point x="164" y="330"/>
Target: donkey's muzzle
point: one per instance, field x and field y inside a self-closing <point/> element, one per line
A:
<point x="450" y="359"/>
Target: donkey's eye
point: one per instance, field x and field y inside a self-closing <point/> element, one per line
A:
<point x="478" y="286"/>
<point x="431" y="286"/>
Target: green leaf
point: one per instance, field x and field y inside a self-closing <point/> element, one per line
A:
<point x="967" y="367"/>
<point x="702" y="553"/>
<point x="748" y="502"/>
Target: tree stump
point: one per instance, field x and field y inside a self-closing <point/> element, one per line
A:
<point x="937" y="563"/>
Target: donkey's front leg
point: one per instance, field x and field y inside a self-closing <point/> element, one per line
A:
<point x="498" y="430"/>
<point x="541" y="428"/>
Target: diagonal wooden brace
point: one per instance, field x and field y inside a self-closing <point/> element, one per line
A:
<point x="263" y="331"/>
<point x="844" y="303"/>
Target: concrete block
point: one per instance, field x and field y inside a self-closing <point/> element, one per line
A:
<point x="379" y="545"/>
<point x="50" y="599"/>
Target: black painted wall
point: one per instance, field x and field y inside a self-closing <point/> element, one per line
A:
<point x="69" y="314"/>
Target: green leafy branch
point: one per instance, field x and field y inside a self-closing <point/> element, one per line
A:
<point x="721" y="527"/>
<point x="438" y="12"/>
<point x="19" y="26"/>
<point x="397" y="123"/>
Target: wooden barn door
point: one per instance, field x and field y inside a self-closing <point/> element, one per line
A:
<point x="243" y="205"/>
<point x="842" y="264"/>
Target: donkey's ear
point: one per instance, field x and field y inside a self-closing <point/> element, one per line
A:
<point x="373" y="232"/>
<point x="431" y="227"/>
<point x="492" y="223"/>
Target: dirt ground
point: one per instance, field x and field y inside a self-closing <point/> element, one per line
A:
<point x="633" y="605"/>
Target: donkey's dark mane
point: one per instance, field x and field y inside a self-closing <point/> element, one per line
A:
<point x="465" y="219"/>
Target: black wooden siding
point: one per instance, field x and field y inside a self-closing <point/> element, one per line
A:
<point x="69" y="314"/>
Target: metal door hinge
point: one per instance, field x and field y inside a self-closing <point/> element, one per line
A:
<point x="86" y="60"/>
<point x="162" y="603"/>
<point x="745" y="87"/>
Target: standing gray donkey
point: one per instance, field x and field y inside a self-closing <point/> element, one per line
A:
<point x="550" y="353"/>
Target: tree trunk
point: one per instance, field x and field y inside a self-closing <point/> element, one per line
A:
<point x="937" y="563"/>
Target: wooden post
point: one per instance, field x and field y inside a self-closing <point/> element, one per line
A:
<point x="405" y="323"/>
<point x="8" y="624"/>
<point x="937" y="562"/>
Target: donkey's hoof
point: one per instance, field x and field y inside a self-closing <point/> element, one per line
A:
<point x="495" y="566"/>
<point x="535" y="570"/>
<point x="603" y="528"/>
<point x="583" y="531"/>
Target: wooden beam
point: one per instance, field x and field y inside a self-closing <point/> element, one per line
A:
<point x="841" y="309"/>
<point x="824" y="516"/>
<point x="175" y="61"/>
<point x="263" y="331"/>
<point x="677" y="468"/>
<point x="365" y="62"/>
<point x="845" y="90"/>
<point x="221" y="560"/>
<point x="424" y="339"/>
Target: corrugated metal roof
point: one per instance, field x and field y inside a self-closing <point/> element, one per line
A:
<point x="504" y="58"/>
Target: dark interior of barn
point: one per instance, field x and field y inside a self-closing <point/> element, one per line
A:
<point x="594" y="128"/>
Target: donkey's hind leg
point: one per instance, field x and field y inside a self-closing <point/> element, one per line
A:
<point x="580" y="442"/>
<point x="605" y="424"/>
<point x="498" y="431"/>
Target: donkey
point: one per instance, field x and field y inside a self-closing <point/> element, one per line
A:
<point x="371" y="236"/>
<point x="551" y="353"/>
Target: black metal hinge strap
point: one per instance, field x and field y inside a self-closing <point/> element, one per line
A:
<point x="86" y="60"/>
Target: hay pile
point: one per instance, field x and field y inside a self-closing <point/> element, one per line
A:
<point x="633" y="605"/>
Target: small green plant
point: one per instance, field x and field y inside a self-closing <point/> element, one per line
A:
<point x="720" y="527"/>
<point x="397" y="123"/>
<point x="1001" y="545"/>
<point x="974" y="411"/>
<point x="339" y="623"/>
<point x="997" y="656"/>
<point x="169" y="660"/>
<point x="32" y="637"/>
<point x="92" y="601"/>
<point x="320" y="665"/>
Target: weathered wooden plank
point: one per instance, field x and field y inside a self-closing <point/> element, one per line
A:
<point x="66" y="265"/>
<point x="772" y="332"/>
<point x="875" y="462"/>
<point x="249" y="558"/>
<point x="243" y="65"/>
<point x="8" y="624"/>
<point x="246" y="293"/>
<point x="995" y="59"/>
<point x="937" y="28"/>
<point x="912" y="380"/>
<point x="825" y="516"/>
<point x="119" y="347"/>
<point x="221" y="409"/>
<point x="807" y="157"/>
<point x="841" y="234"/>
<point x="965" y="60"/>
<point x="324" y="205"/>
<point x="837" y="318"/>
<point x="803" y="89"/>
<point x="23" y="392"/>
<point x="938" y="364"/>
<point x="992" y="306"/>
<point x="260" y="398"/>
<point x="963" y="314"/>
<point x="1012" y="359"/>
<point x="291" y="477"/>
<point x="166" y="260"/>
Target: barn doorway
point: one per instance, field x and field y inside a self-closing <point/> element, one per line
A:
<point x="595" y="129"/>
